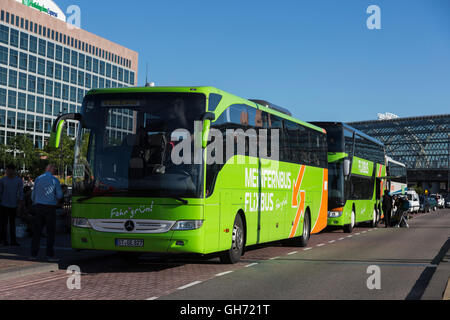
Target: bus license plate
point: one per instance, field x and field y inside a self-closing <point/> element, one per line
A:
<point x="129" y="243"/>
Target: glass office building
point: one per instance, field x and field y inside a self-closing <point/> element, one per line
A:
<point x="46" y="68"/>
<point x="422" y="143"/>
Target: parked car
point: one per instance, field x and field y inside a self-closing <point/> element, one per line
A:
<point x="414" y="202"/>
<point x="447" y="202"/>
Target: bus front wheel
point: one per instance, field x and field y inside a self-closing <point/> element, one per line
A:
<point x="349" y="227"/>
<point x="233" y="255"/>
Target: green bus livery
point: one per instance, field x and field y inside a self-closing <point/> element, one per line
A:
<point x="356" y="168"/>
<point x="130" y="194"/>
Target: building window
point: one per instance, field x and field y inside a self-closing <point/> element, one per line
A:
<point x="49" y="88"/>
<point x="22" y="81"/>
<point x="23" y="61"/>
<point x="21" y="101"/>
<point x="12" y="82"/>
<point x="42" y="47"/>
<point x="23" y="41"/>
<point x="4" y="34"/>
<point x="66" y="56"/>
<point x="40" y="86"/>
<point x="13" y="58"/>
<point x="40" y="105"/>
<point x="3" y="55"/>
<point x="20" y="121"/>
<point x="32" y="64"/>
<point x="57" y="90"/>
<point x="3" y="76"/>
<point x="30" y="122"/>
<point x="50" y="50"/>
<point x="2" y="98"/>
<point x="66" y="74"/>
<point x="31" y="100"/>
<point x="58" y="53"/>
<point x="33" y="44"/>
<point x="31" y="83"/>
<point x="58" y="71"/>
<point x="14" y="38"/>
<point x="41" y="67"/>
<point x="50" y="69"/>
<point x="11" y="120"/>
<point x="48" y="107"/>
<point x="74" y="58"/>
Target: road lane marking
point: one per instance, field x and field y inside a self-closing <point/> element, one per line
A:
<point x="292" y="253"/>
<point x="32" y="283"/>
<point x="189" y="285"/>
<point x="341" y="239"/>
<point x="306" y="249"/>
<point x="349" y="236"/>
<point x="357" y="234"/>
<point x="274" y="258"/>
<point x="223" y="273"/>
<point x="364" y="232"/>
<point x="332" y="241"/>
<point x="152" y="298"/>
<point x="251" y="265"/>
<point x="321" y="245"/>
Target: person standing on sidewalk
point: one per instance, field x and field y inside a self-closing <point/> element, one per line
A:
<point x="387" y="208"/>
<point x="46" y="195"/>
<point x="11" y="195"/>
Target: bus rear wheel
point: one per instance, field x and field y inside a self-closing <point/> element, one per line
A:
<point x="374" y="222"/>
<point x="233" y="255"/>
<point x="349" y="227"/>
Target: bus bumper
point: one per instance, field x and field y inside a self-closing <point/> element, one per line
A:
<point x="169" y="242"/>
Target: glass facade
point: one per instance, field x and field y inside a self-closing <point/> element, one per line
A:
<point x="422" y="143"/>
<point x="42" y="77"/>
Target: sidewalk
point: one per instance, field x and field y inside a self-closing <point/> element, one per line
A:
<point x="15" y="263"/>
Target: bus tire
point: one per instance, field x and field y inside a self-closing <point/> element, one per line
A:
<point x="306" y="235"/>
<point x="374" y="222"/>
<point x="233" y="255"/>
<point x="349" y="227"/>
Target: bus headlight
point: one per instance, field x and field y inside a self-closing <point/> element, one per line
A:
<point x="81" y="223"/>
<point x="187" y="225"/>
<point x="336" y="213"/>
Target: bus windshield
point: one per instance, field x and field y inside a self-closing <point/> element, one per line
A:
<point x="125" y="141"/>
<point x="336" y="185"/>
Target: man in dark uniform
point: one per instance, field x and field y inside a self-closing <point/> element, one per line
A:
<point x="387" y="208"/>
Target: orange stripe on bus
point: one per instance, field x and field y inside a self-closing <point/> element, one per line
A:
<point x="301" y="207"/>
<point x="297" y="185"/>
<point x="322" y="219"/>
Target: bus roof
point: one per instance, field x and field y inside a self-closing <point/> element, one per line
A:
<point x="229" y="100"/>
<point x="346" y="126"/>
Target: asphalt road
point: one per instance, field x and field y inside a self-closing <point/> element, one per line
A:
<point x="410" y="261"/>
<point x="413" y="264"/>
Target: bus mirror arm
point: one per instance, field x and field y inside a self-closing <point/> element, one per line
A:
<point x="207" y="118"/>
<point x="58" y="125"/>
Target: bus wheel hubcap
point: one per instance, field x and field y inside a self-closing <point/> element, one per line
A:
<point x="237" y="238"/>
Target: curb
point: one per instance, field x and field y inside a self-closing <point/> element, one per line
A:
<point x="447" y="291"/>
<point x="30" y="270"/>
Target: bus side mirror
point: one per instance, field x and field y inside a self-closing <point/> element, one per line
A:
<point x="58" y="125"/>
<point x="347" y="164"/>
<point x="207" y="118"/>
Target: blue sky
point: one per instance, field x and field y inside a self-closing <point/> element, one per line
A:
<point x="315" y="57"/>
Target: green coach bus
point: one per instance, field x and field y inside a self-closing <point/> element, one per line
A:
<point x="356" y="169"/>
<point x="154" y="172"/>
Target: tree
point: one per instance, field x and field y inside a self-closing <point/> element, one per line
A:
<point x="22" y="152"/>
<point x="63" y="156"/>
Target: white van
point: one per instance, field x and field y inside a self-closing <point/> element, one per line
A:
<point x="414" y="201"/>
